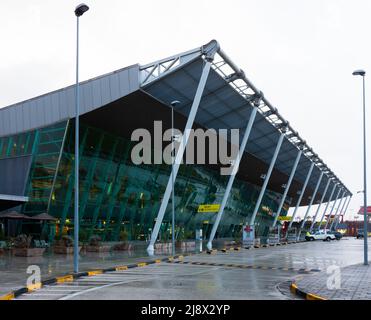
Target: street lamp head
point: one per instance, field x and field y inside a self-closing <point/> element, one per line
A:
<point x="81" y="9"/>
<point x="174" y="103"/>
<point x="359" y="72"/>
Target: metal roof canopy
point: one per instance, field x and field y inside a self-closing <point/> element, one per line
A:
<point x="226" y="104"/>
<point x="8" y="201"/>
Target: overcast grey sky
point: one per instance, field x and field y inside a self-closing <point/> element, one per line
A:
<point x="299" y="53"/>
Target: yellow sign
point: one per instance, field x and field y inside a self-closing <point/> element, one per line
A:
<point x="208" y="208"/>
<point x="284" y="218"/>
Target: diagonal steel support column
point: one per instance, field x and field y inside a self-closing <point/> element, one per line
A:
<point x="301" y="195"/>
<point x="232" y="176"/>
<point x="292" y="174"/>
<point x="267" y="177"/>
<point x="332" y="209"/>
<point x="335" y="222"/>
<point x="344" y="212"/>
<point x="180" y="153"/>
<point x="342" y="201"/>
<point x="310" y="204"/>
<point x="327" y="205"/>
<point x="319" y="206"/>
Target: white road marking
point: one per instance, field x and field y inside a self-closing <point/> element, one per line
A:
<point x="128" y="281"/>
<point x="45" y="294"/>
<point x="94" y="289"/>
<point x="59" y="290"/>
<point x="66" y="286"/>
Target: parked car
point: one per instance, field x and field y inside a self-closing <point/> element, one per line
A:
<point x="338" y="235"/>
<point x="324" y="235"/>
<point x="359" y="233"/>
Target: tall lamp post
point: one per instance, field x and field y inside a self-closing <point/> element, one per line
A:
<point x="362" y="73"/>
<point x="79" y="11"/>
<point x="173" y="104"/>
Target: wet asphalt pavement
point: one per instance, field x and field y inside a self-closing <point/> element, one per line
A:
<point x="263" y="273"/>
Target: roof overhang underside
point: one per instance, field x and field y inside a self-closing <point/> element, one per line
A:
<point x="11" y="201"/>
<point x="222" y="107"/>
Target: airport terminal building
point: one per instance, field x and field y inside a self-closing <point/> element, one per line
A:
<point x="116" y="195"/>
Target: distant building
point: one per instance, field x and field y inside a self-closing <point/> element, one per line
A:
<point x="350" y="227"/>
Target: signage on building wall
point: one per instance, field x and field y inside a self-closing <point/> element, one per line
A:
<point x="268" y="210"/>
<point x="284" y="218"/>
<point x="208" y="208"/>
<point x="362" y="210"/>
<point x="248" y="235"/>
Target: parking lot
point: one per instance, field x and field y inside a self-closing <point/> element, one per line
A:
<point x="263" y="273"/>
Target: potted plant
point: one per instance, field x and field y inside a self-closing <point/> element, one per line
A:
<point x="22" y="247"/>
<point x="64" y="245"/>
<point x="83" y="239"/>
<point x="123" y="245"/>
<point x="95" y="245"/>
<point x="2" y="241"/>
<point x="184" y="240"/>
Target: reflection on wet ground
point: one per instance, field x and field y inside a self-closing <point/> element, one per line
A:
<point x="245" y="274"/>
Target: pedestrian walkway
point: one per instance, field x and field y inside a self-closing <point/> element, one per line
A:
<point x="354" y="280"/>
<point x="13" y="270"/>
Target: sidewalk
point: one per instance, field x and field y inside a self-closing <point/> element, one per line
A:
<point x="355" y="284"/>
<point x="13" y="270"/>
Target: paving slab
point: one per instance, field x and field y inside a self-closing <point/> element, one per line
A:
<point x="348" y="283"/>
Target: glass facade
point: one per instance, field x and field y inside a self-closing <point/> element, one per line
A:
<point x="116" y="195"/>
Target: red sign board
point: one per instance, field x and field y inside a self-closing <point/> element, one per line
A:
<point x="361" y="210"/>
<point x="248" y="229"/>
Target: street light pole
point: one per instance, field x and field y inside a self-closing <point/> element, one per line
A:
<point x="79" y="11"/>
<point x="365" y="231"/>
<point x="173" y="104"/>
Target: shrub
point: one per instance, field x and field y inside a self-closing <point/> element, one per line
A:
<point x="95" y="240"/>
<point x="83" y="235"/>
<point x="22" y="241"/>
<point x="65" y="241"/>
<point x="124" y="235"/>
<point x="2" y="235"/>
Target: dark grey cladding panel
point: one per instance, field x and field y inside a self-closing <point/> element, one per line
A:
<point x="14" y="173"/>
<point x="60" y="105"/>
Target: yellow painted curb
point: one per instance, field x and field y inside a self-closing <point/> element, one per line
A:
<point x="9" y="296"/>
<point x="308" y="296"/>
<point x="293" y="288"/>
<point x="94" y="273"/>
<point x="33" y="287"/>
<point x="142" y="264"/>
<point x="121" y="268"/>
<point x="68" y="278"/>
<point x="311" y="296"/>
